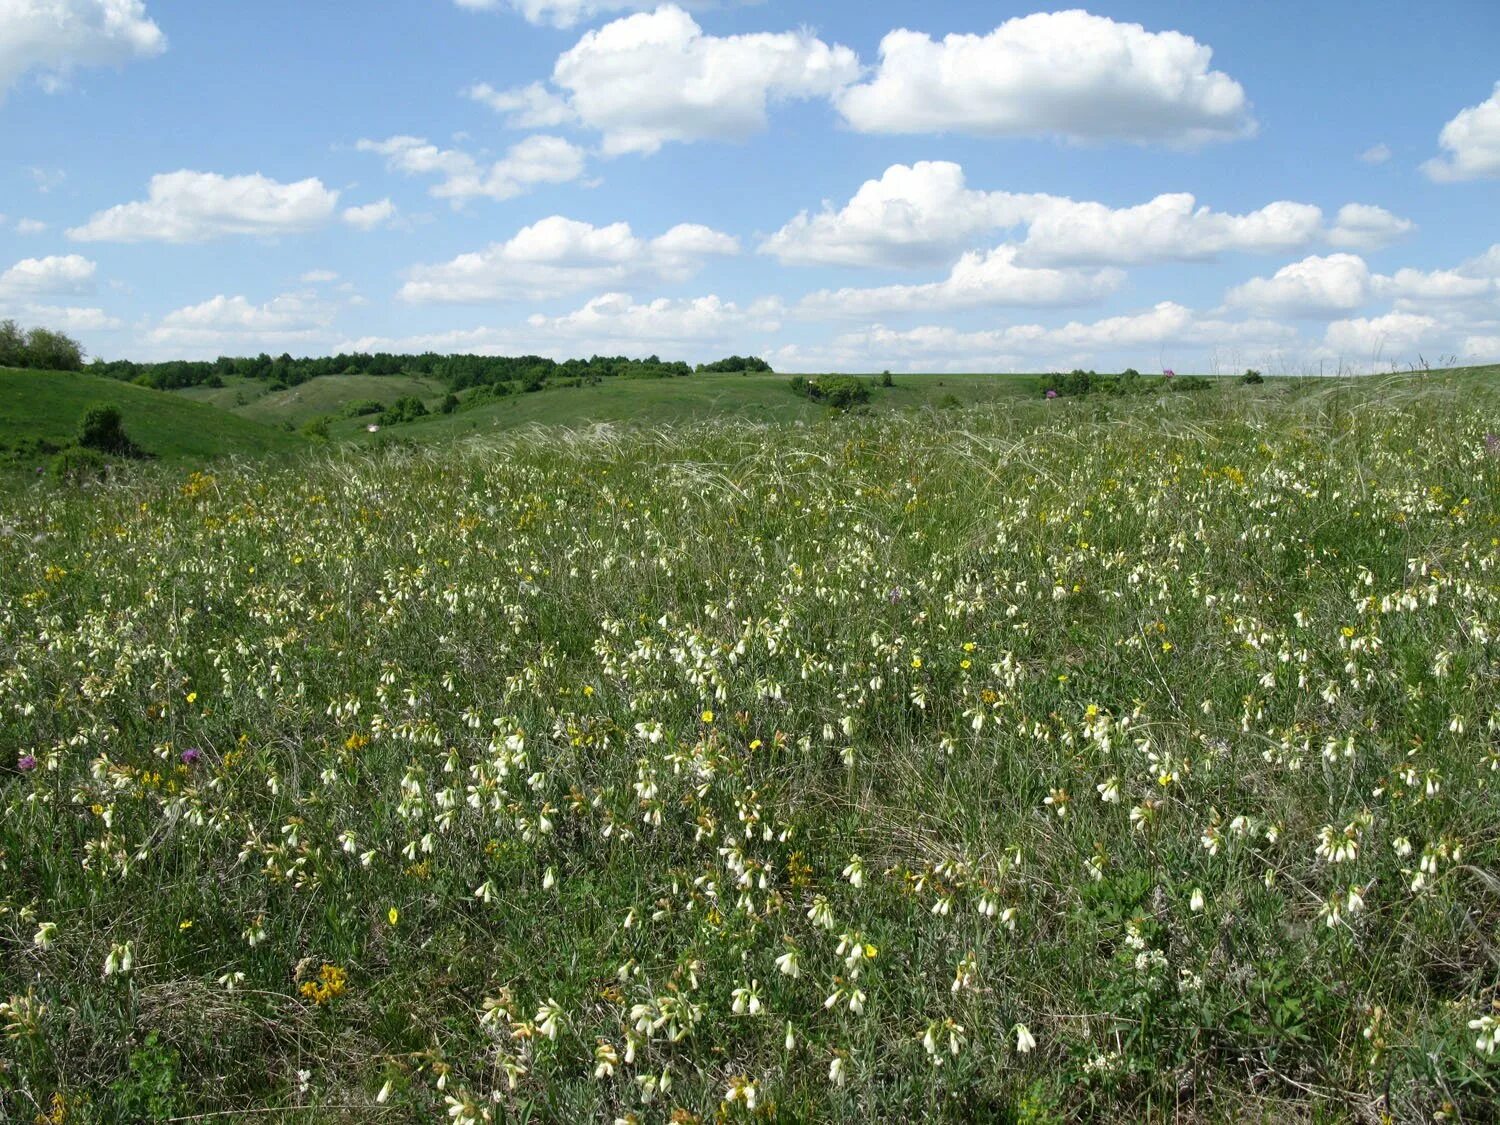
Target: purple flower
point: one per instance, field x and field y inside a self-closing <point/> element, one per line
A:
<point x="1051" y="394"/>
<point x="27" y="763"/>
<point x="1169" y="374"/>
<point x="1492" y="444"/>
<point x="896" y="595"/>
<point x="192" y="757"/>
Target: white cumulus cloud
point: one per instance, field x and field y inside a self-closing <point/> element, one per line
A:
<point x="71" y="273"/>
<point x="1068" y="74"/>
<point x="222" y="323"/>
<point x="1376" y="340"/>
<point x="524" y="107"/>
<point x="1361" y="226"/>
<point x="566" y="13"/>
<point x="1168" y="228"/>
<point x="656" y="77"/>
<point x="616" y="322"/>
<point x="919" y="214"/>
<point x="199" y="206"/>
<point x="371" y="215"/>
<point x="531" y="162"/>
<point x="1471" y="142"/>
<point x="987" y="279"/>
<point x="56" y="37"/>
<point x="557" y="256"/>
<point x="1313" y="287"/>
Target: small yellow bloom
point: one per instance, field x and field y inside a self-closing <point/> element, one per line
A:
<point x="393" y="915"/>
<point x="185" y="925"/>
<point x="708" y="716"/>
<point x="192" y="697"/>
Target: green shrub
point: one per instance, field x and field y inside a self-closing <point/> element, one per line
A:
<point x="838" y="391"/>
<point x="101" y="429"/>
<point x="74" y="465"/>
<point x="317" y="428"/>
<point x="1252" y="377"/>
<point x="363" y="406"/>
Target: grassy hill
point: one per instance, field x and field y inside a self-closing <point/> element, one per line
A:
<point x="1133" y="759"/>
<point x="251" y="399"/>
<point x="657" y="402"/>
<point x="45" y="407"/>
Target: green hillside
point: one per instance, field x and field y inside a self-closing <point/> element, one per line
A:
<point x="328" y="394"/>
<point x="656" y="402"/>
<point x="45" y="406"/>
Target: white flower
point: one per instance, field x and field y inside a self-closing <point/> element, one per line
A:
<point x="44" y="936"/>
<point x="789" y="965"/>
<point x="1489" y="1033"/>
<point x="1109" y="791"/>
<point x="550" y="1018"/>
<point x="1025" y="1043"/>
<point x="747" y="999"/>
<point x="838" y="1070"/>
<point x="855" y="872"/>
<point x="1197" y="902"/>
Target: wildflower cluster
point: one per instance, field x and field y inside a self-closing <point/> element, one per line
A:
<point x="729" y="771"/>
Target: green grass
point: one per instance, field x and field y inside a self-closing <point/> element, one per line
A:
<point x="46" y="406"/>
<point x="645" y="403"/>
<point x="331" y="393"/>
<point x="1163" y="729"/>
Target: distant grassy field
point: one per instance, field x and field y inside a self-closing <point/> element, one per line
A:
<point x="654" y="402"/>
<point x="1120" y="760"/>
<point x="47" y="405"/>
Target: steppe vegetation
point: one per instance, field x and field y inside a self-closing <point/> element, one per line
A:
<point x="1111" y="757"/>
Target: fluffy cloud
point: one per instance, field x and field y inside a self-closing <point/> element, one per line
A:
<point x="1382" y="339"/>
<point x="1312" y="287"/>
<point x="1168" y="228"/>
<point x="926" y="213"/>
<point x="199" y="206"/>
<point x="1069" y="74"/>
<point x="564" y="13"/>
<point x="652" y="78"/>
<point x="1376" y="154"/>
<point x="1363" y="227"/>
<point x="980" y="280"/>
<point x="615" y="322"/>
<point x="1116" y="339"/>
<point x="914" y="215"/>
<point x="1471" y="142"/>
<point x="70" y="318"/>
<point x="525" y="107"/>
<point x="371" y="215"/>
<point x="234" y="322"/>
<point x="30" y="226"/>
<point x="58" y="36"/>
<point x="558" y="256"/>
<point x="534" y="161"/>
<point x="33" y="276"/>
<point x="1327" y="287"/>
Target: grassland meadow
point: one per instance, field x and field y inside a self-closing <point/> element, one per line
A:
<point x="1060" y="762"/>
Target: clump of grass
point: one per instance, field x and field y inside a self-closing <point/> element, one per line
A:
<point x="1017" y="764"/>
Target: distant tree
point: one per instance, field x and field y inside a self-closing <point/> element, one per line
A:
<point x="1252" y="376"/>
<point x="12" y="344"/>
<point x="102" y="430"/>
<point x="886" y="380"/>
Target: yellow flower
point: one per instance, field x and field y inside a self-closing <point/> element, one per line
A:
<point x="185" y="925"/>
<point x="393" y="915"/>
<point x="708" y="716"/>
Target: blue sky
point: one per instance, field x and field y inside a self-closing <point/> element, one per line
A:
<point x="841" y="186"/>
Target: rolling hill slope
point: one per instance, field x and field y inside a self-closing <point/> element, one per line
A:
<point x="45" y="406"/>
